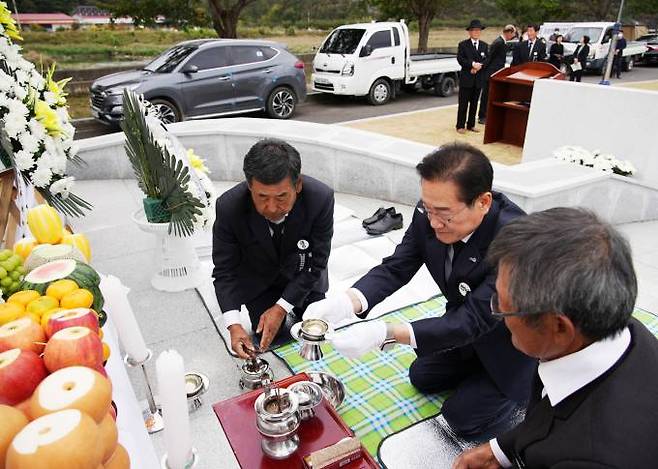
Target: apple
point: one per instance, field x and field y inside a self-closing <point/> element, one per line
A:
<point x="119" y="459"/>
<point x="66" y="439"/>
<point x="71" y="347"/>
<point x="109" y="436"/>
<point x="22" y="333"/>
<point x="13" y="421"/>
<point x="75" y="387"/>
<point x="21" y="371"/>
<point x="84" y="317"/>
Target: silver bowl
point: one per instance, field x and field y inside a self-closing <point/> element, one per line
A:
<point x="309" y="395"/>
<point x="332" y="388"/>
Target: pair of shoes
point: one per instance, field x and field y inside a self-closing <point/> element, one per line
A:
<point x="378" y="215"/>
<point x="461" y="131"/>
<point x="482" y="121"/>
<point x="389" y="222"/>
<point x="474" y="130"/>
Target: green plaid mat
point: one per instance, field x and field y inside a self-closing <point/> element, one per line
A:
<point x="379" y="400"/>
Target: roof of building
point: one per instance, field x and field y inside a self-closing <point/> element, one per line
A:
<point x="43" y="18"/>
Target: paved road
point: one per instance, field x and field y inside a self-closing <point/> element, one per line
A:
<point x="330" y="109"/>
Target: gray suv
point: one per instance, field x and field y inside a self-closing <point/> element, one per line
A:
<point x="208" y="78"/>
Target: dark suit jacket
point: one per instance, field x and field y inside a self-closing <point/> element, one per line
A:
<point x="466" y="55"/>
<point x="609" y="423"/>
<point x="581" y="53"/>
<point x="522" y="54"/>
<point x="468" y="319"/>
<point x="497" y="56"/>
<point x="246" y="261"/>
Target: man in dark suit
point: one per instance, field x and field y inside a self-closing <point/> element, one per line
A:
<point x="471" y="55"/>
<point x="531" y="50"/>
<point x="566" y="290"/>
<point x="271" y="242"/>
<point x="618" y="60"/>
<point x="466" y="349"/>
<point x="495" y="61"/>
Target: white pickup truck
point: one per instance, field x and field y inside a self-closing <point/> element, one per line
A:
<point x="599" y="34"/>
<point x="374" y="60"/>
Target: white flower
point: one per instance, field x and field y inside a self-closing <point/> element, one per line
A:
<point x="37" y="129"/>
<point x="14" y="124"/>
<point x="28" y="142"/>
<point x="37" y="81"/>
<point x="6" y="82"/>
<point x="22" y="77"/>
<point x="50" y="98"/>
<point x="62" y="186"/>
<point x="42" y="176"/>
<point x="602" y="165"/>
<point x="24" y="160"/>
<point x="20" y="92"/>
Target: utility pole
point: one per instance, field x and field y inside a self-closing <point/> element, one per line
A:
<point x="613" y="47"/>
<point x="18" y="21"/>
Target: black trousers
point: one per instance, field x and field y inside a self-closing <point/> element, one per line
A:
<point x="266" y="300"/>
<point x="482" y="112"/>
<point x="617" y="65"/>
<point x="468" y="103"/>
<point x="576" y="76"/>
<point x="477" y="404"/>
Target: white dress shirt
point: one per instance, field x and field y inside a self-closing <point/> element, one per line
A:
<point x="565" y="375"/>
<point x="233" y="316"/>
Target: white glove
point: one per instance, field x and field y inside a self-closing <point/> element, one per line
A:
<point x="359" y="339"/>
<point x="333" y="309"/>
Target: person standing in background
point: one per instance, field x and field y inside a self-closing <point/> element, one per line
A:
<point x="495" y="61"/>
<point x="532" y="49"/>
<point x="556" y="54"/>
<point x="618" y="61"/>
<point x="471" y="55"/>
<point x="579" y="59"/>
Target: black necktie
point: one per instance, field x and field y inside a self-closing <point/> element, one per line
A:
<point x="453" y="251"/>
<point x="456" y="249"/>
<point x="277" y="234"/>
<point x="529" y="45"/>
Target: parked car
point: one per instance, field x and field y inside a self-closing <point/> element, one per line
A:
<point x="650" y="56"/>
<point x="208" y="78"/>
<point x="374" y="60"/>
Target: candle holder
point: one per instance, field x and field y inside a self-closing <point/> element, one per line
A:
<point x="152" y="414"/>
<point x="193" y="462"/>
<point x="196" y="385"/>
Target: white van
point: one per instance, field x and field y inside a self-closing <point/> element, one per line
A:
<point x="374" y="60"/>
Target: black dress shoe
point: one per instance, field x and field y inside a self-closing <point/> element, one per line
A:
<point x="378" y="215"/>
<point x="482" y="121"/>
<point x="388" y="223"/>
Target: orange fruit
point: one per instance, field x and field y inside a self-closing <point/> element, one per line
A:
<point x="79" y="298"/>
<point x="106" y="352"/>
<point x="61" y="288"/>
<point x="10" y="312"/>
<point x="42" y="305"/>
<point x="100" y="333"/>
<point x="45" y="316"/>
<point x="23" y="297"/>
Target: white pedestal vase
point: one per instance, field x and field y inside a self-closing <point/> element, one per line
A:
<point x="177" y="266"/>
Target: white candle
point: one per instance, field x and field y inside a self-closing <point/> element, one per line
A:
<point x="118" y="309"/>
<point x="173" y="398"/>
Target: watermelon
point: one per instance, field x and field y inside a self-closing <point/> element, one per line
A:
<point x="44" y="253"/>
<point x="82" y="274"/>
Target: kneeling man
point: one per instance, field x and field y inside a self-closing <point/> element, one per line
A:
<point x="566" y="290"/>
<point x="271" y="242"/>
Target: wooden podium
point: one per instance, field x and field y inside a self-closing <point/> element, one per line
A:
<point x="510" y="94"/>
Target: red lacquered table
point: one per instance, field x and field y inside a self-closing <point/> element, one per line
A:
<point x="238" y="419"/>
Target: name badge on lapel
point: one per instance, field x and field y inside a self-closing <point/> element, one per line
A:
<point x="482" y="54"/>
<point x="464" y="289"/>
<point x="302" y="245"/>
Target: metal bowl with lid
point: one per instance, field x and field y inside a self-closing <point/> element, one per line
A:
<point x="254" y="372"/>
<point x="311" y="334"/>
<point x="277" y="420"/>
<point x="309" y="395"/>
<point x="332" y="388"/>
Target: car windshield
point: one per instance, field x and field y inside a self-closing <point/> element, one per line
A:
<point x="576" y="34"/>
<point x="343" y="41"/>
<point x="170" y="59"/>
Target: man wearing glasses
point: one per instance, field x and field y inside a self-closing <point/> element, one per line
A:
<point x="466" y="349"/>
<point x="566" y="289"/>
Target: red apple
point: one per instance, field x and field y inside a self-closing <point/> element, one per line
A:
<point x="21" y="371"/>
<point x="65" y="439"/>
<point x="84" y="317"/>
<point x="75" y="387"/>
<point x="22" y="333"/>
<point x="73" y="346"/>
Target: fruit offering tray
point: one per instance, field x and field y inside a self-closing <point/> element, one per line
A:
<point x="238" y="419"/>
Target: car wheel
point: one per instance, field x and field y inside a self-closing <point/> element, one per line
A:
<point x="445" y="87"/>
<point x="380" y="92"/>
<point x="167" y="112"/>
<point x="628" y="65"/>
<point x="281" y="103"/>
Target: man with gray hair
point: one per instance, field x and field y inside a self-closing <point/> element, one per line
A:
<point x="566" y="289"/>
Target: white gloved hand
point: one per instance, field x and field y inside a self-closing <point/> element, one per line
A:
<point x="359" y="339"/>
<point x="332" y="310"/>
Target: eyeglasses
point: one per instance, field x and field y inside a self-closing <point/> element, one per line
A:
<point x="495" y="312"/>
<point x="444" y="220"/>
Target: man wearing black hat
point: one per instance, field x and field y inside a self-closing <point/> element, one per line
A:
<point x="471" y="55"/>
